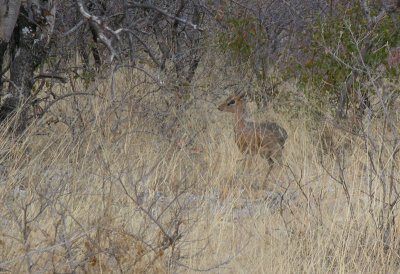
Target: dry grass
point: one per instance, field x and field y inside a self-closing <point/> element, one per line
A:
<point x="104" y="198"/>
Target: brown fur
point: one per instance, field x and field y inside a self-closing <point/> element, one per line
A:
<point x="266" y="138"/>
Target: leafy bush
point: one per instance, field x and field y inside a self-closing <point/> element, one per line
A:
<point x="345" y="44"/>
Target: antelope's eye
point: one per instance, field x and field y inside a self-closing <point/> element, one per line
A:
<point x="231" y="102"/>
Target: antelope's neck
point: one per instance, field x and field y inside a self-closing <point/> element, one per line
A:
<point x="239" y="119"/>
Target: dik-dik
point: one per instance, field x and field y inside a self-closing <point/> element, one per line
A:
<point x="266" y="139"/>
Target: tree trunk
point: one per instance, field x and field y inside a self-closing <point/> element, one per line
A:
<point x="3" y="48"/>
<point x="29" y="47"/>
<point x="9" y="11"/>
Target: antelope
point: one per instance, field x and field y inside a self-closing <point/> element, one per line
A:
<point x="267" y="139"/>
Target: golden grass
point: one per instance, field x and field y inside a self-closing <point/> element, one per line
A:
<point x="103" y="199"/>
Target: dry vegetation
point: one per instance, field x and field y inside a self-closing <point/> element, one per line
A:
<point x="104" y="189"/>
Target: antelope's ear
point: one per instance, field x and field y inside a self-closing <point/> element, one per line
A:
<point x="241" y="94"/>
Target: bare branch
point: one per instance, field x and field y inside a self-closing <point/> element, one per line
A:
<point x="98" y="25"/>
<point x="66" y="96"/>
<point x="165" y="13"/>
<point x="72" y="30"/>
<point x="372" y="20"/>
<point x="51" y="76"/>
